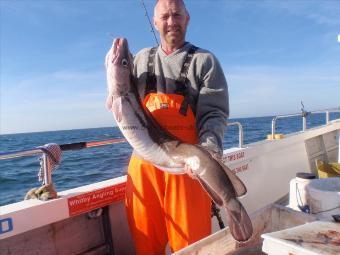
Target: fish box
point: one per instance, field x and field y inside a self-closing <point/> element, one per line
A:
<point x="265" y="220"/>
<point x="314" y="238"/>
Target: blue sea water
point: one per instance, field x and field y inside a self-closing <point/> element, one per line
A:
<point x="90" y="165"/>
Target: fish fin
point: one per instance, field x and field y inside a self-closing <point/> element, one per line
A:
<point x="109" y="102"/>
<point x="239" y="187"/>
<point x="239" y="222"/>
<point x="212" y="194"/>
<point x="117" y="109"/>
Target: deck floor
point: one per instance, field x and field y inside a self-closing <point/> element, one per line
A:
<point x="252" y="250"/>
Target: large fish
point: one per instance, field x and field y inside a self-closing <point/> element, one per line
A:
<point x="156" y="145"/>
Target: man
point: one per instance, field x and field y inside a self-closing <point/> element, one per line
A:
<point x="184" y="89"/>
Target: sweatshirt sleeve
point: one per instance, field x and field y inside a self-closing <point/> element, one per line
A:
<point x="212" y="105"/>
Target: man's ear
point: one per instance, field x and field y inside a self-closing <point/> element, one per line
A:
<point x="155" y="23"/>
<point x="188" y="18"/>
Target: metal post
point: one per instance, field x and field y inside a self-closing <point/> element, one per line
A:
<point x="240" y="135"/>
<point x="327" y="117"/>
<point x="273" y="127"/>
<point x="47" y="171"/>
<point x="240" y="132"/>
<point x="304" y="123"/>
<point x="338" y="135"/>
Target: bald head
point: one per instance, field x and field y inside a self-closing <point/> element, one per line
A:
<point x="165" y="2"/>
<point x="171" y="20"/>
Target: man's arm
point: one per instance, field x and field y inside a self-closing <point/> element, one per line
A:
<point x="212" y="106"/>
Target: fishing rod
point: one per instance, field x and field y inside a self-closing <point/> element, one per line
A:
<point x="148" y="17"/>
<point x="83" y="145"/>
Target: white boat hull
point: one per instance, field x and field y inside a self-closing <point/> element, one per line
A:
<point x="61" y="226"/>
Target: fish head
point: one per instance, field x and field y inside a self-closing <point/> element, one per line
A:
<point x="119" y="64"/>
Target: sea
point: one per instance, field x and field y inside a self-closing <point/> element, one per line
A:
<point x="86" y="166"/>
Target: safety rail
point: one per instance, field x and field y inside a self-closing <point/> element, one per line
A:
<point x="64" y="147"/>
<point x="240" y="132"/>
<point x="304" y="115"/>
<point x="83" y="145"/>
<point x="78" y="146"/>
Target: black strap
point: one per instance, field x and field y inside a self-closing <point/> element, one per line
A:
<point x="151" y="81"/>
<point x="182" y="81"/>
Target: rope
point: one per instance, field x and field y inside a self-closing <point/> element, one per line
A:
<point x="328" y="210"/>
<point x="306" y="208"/>
<point x="301" y="206"/>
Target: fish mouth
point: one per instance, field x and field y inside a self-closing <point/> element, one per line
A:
<point x="120" y="50"/>
<point x="120" y="42"/>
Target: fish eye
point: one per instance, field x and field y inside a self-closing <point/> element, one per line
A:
<point x="125" y="62"/>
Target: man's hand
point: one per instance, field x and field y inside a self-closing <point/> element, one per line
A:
<point x="188" y="171"/>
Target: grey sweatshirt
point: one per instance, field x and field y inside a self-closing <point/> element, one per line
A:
<point x="206" y="83"/>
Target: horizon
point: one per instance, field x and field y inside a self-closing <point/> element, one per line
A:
<point x="274" y="55"/>
<point x="113" y="126"/>
<point x="336" y="112"/>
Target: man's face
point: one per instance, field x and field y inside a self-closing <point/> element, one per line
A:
<point x="171" y="20"/>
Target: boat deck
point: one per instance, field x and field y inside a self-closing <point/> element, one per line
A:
<point x="271" y="218"/>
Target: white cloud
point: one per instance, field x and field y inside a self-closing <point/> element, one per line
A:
<point x="58" y="83"/>
<point x="59" y="100"/>
<point x="322" y="12"/>
<point x="261" y="90"/>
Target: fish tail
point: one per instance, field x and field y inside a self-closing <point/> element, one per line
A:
<point x="238" y="221"/>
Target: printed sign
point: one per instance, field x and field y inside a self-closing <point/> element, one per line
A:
<point x="6" y="225"/>
<point x="240" y="169"/>
<point x="234" y="156"/>
<point x="96" y="199"/>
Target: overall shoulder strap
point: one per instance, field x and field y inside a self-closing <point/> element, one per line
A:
<point x="151" y="86"/>
<point x="185" y="67"/>
<point x="182" y="82"/>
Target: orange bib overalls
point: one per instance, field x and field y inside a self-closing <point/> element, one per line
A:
<point x="164" y="207"/>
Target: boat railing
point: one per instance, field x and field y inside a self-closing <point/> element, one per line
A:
<point x="240" y="132"/>
<point x="64" y="147"/>
<point x="78" y="146"/>
<point x="83" y="145"/>
<point x="304" y="114"/>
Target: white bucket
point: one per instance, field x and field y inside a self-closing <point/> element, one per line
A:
<point x="324" y="196"/>
<point x="297" y="190"/>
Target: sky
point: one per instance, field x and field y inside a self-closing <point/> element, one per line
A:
<point x="274" y="54"/>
